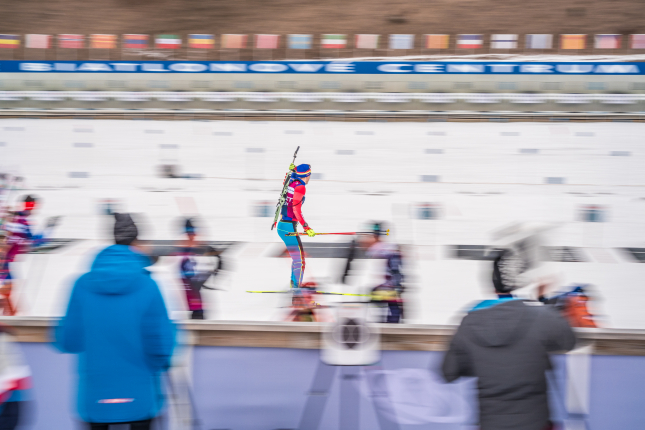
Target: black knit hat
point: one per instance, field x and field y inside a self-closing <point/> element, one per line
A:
<point x="507" y="269"/>
<point x="125" y="230"/>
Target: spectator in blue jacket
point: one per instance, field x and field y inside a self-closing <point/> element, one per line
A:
<point x="117" y="322"/>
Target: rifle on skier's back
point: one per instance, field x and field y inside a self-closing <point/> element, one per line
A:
<point x="285" y="187"/>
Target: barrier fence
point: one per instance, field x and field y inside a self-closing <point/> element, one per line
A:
<point x="270" y="375"/>
<point x="272" y="97"/>
<point x="330" y="105"/>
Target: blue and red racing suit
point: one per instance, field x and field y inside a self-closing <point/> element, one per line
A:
<point x="292" y="215"/>
<point x="188" y="271"/>
<point x="19" y="240"/>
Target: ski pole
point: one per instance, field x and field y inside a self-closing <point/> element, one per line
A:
<point x="387" y="233"/>
<point x="5" y="211"/>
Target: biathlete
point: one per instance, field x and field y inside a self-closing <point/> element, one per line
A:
<point x="387" y="295"/>
<point x="19" y="239"/>
<point x="192" y="278"/>
<point x="291" y="215"/>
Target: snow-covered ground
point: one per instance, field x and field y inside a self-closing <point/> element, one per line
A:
<point x="364" y="171"/>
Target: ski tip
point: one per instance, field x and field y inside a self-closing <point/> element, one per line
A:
<point x="387" y="232"/>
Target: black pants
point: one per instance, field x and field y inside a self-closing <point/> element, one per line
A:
<point x="10" y="415"/>
<point x="134" y="425"/>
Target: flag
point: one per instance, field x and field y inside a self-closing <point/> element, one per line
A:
<point x="437" y="41"/>
<point x="539" y="41"/>
<point x="38" y="41"/>
<point x="266" y="41"/>
<point x="233" y="41"/>
<point x="333" y="41"/>
<point x="503" y="41"/>
<point x="103" y="41"/>
<point x="135" y="41"/>
<point x="470" y="41"/>
<point x="299" y="41"/>
<point x="366" y="41"/>
<point x="73" y="41"/>
<point x="201" y="41"/>
<point x="10" y="41"/>
<point x="401" y="41"/>
<point x="638" y="41"/>
<point x="607" y="41"/>
<point x="573" y="41"/>
<point x="168" y="41"/>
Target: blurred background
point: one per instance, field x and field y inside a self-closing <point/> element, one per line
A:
<point x="444" y="123"/>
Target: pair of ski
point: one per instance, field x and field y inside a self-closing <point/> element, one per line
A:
<point x="346" y="233"/>
<point x="299" y="290"/>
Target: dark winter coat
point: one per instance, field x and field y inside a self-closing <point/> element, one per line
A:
<point x="505" y="344"/>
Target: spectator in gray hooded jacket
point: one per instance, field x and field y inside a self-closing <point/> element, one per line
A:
<point x="505" y="343"/>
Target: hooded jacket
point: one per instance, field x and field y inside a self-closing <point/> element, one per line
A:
<point x="117" y="323"/>
<point x="505" y="344"/>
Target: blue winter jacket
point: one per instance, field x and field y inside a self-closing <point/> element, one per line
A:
<point x="117" y="323"/>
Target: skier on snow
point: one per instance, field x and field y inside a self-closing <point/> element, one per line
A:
<point x="291" y="215"/>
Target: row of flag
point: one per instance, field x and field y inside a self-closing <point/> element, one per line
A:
<point x="305" y="41"/>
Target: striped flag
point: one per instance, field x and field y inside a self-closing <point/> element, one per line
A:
<point x="638" y="41"/>
<point x="233" y="41"/>
<point x="437" y="41"/>
<point x="201" y="41"/>
<point x="401" y="41"/>
<point x="366" y="41"/>
<point x="470" y="41"/>
<point x="299" y="41"/>
<point x="135" y="41"/>
<point x="72" y="41"/>
<point x="539" y="41"/>
<point x="11" y="41"/>
<point x="103" y="41"/>
<point x="503" y="41"/>
<point x="607" y="41"/>
<point x="573" y="41"/>
<point x="167" y="41"/>
<point x="38" y="41"/>
<point x="333" y="41"/>
<point x="266" y="41"/>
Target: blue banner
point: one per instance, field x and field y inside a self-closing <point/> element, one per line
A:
<point x="325" y="67"/>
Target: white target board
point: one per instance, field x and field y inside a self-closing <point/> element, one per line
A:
<point x="350" y="340"/>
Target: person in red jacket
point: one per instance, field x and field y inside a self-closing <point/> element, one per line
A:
<point x="291" y="215"/>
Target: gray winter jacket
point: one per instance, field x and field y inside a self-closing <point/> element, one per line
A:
<point x="506" y="347"/>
